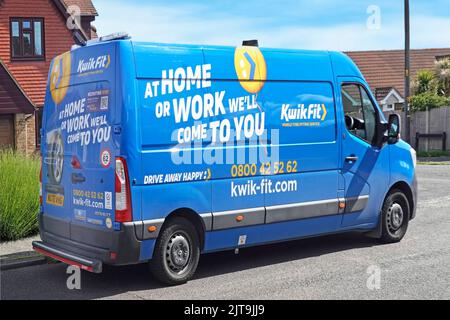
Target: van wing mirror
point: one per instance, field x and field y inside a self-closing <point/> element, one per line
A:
<point x="393" y="128"/>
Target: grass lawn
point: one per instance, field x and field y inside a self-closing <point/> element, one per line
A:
<point x="19" y="195"/>
<point x="434" y="163"/>
<point x="433" y="153"/>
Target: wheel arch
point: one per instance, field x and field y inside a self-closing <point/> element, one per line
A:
<point x="406" y="189"/>
<point x="193" y="217"/>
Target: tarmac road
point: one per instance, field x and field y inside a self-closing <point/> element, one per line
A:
<point x="332" y="267"/>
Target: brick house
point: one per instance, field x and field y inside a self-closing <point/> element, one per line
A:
<point x="384" y="71"/>
<point x="31" y="34"/>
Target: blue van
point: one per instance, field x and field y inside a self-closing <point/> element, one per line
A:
<point x="160" y="152"/>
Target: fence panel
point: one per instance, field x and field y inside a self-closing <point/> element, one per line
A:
<point x="433" y="121"/>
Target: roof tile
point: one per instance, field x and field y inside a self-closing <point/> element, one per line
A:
<point x="86" y="6"/>
<point x="384" y="69"/>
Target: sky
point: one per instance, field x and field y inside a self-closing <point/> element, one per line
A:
<point x="298" y="24"/>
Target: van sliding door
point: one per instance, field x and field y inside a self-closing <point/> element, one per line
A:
<point x="304" y="168"/>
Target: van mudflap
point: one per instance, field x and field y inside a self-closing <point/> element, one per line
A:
<point x="83" y="263"/>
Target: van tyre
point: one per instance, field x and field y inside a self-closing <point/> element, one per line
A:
<point x="395" y="217"/>
<point x="176" y="253"/>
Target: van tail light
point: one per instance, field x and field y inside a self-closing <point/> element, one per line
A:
<point x="123" y="196"/>
<point x="40" y="184"/>
<point x="75" y="162"/>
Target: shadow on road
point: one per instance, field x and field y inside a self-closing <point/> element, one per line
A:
<point x="49" y="281"/>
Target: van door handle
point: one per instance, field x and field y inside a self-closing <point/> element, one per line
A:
<point x="77" y="178"/>
<point x="351" y="158"/>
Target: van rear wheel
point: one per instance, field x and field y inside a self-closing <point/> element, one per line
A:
<point x="176" y="253"/>
<point x="395" y="217"/>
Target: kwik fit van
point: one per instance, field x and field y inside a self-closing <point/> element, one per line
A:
<point x="156" y="153"/>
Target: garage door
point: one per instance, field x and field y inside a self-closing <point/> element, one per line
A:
<point x="6" y="131"/>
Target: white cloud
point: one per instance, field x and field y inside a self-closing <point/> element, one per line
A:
<point x="195" y="24"/>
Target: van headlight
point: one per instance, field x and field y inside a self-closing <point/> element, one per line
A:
<point x="413" y="156"/>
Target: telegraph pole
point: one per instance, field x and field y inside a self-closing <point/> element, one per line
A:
<point x="407" y="75"/>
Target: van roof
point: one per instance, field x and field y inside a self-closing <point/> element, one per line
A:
<point x="341" y="64"/>
<point x="124" y="37"/>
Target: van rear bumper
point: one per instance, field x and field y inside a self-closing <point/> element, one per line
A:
<point x="51" y="251"/>
<point x="90" y="247"/>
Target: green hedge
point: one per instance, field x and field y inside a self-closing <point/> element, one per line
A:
<point x="427" y="100"/>
<point x="19" y="195"/>
<point x="433" y="153"/>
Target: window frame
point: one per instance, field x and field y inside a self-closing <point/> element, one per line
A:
<point x="374" y="105"/>
<point x="31" y="30"/>
<point x="389" y="107"/>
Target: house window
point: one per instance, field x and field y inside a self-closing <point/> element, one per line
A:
<point x="389" y="107"/>
<point x="27" y="38"/>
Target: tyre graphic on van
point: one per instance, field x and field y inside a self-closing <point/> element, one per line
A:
<point x="55" y="160"/>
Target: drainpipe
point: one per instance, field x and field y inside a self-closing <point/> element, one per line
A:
<point x="407" y="74"/>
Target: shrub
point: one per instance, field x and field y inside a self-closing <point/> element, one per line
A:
<point x="442" y="75"/>
<point x="19" y="195"/>
<point x="428" y="100"/>
<point x="431" y="88"/>
<point x="425" y="81"/>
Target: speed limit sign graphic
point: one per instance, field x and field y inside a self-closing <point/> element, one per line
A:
<point x="105" y="158"/>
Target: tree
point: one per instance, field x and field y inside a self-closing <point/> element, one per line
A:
<point x="432" y="87"/>
<point x="442" y="75"/>
<point x="425" y="81"/>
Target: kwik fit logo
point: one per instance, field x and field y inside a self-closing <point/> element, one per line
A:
<point x="93" y="64"/>
<point x="314" y="111"/>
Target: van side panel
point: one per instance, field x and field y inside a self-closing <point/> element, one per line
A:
<point x="161" y="182"/>
<point x="295" y="155"/>
<point x="267" y="233"/>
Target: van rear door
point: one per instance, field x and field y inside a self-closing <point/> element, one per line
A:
<point x="78" y="144"/>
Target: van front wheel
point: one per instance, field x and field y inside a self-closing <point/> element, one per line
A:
<point x="176" y="253"/>
<point x="395" y="217"/>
